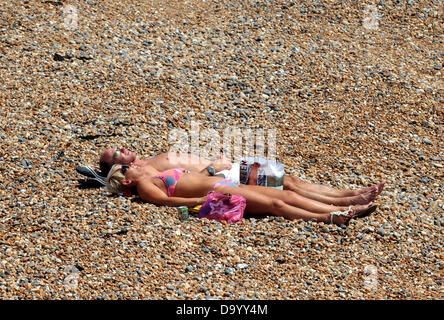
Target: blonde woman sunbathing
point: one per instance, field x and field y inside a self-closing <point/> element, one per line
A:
<point x="162" y="162"/>
<point x="180" y="187"/>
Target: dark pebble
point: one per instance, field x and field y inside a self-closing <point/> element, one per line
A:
<point x="26" y="163"/>
<point x="280" y="260"/>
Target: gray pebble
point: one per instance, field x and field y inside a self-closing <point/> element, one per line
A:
<point x="133" y="75"/>
<point x="229" y="271"/>
<point x="381" y="232"/>
<point x="26" y="163"/>
<point x="425" y="180"/>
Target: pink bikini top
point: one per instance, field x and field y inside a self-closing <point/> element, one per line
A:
<point x="170" y="178"/>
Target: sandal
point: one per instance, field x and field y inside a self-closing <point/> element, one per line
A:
<point x="363" y="214"/>
<point x="91" y="173"/>
<point x="341" y="213"/>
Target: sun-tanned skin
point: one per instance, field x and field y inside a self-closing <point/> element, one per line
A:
<point x="191" y="190"/>
<point x="299" y="189"/>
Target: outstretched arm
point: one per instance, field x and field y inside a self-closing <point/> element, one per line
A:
<point x="217" y="167"/>
<point x="195" y="163"/>
<point x="149" y="192"/>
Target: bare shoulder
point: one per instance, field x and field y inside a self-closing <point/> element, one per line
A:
<point x="148" y="190"/>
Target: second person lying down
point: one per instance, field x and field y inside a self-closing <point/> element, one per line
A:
<point x="180" y="187"/>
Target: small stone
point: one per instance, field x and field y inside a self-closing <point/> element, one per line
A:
<point x="425" y="180"/>
<point x="349" y="109"/>
<point x="26" y="163"/>
<point x="280" y="260"/>
<point x="229" y="271"/>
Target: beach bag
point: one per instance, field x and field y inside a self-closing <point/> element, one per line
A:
<point x="221" y="206"/>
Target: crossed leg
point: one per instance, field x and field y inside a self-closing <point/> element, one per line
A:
<point x="363" y="198"/>
<point x="299" y="201"/>
<point x="328" y="195"/>
<point x="261" y="203"/>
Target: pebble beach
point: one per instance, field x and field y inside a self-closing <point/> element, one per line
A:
<point x="352" y="89"/>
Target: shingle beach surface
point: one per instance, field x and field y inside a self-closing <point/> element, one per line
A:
<point x="354" y="90"/>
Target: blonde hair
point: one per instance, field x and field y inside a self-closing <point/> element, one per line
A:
<point x="114" y="180"/>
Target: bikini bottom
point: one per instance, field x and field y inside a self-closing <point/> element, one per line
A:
<point x="224" y="182"/>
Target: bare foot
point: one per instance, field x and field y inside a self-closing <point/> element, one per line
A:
<point x="363" y="211"/>
<point x="364" y="190"/>
<point x="367" y="197"/>
<point x="359" y="211"/>
<point x="380" y="186"/>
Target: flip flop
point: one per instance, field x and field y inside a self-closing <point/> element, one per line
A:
<point x="89" y="184"/>
<point x="340" y="213"/>
<point x="91" y="173"/>
<point x="363" y="214"/>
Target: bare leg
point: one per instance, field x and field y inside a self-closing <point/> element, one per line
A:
<point x="260" y="204"/>
<point x="298" y="201"/>
<point x="292" y="182"/>
<point x="362" y="198"/>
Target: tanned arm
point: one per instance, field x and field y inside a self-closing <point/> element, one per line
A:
<point x="151" y="193"/>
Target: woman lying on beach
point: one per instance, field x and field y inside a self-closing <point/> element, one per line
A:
<point x="179" y="187"/>
<point x="193" y="163"/>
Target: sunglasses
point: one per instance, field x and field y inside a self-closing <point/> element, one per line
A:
<point x="116" y="154"/>
<point x="124" y="169"/>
